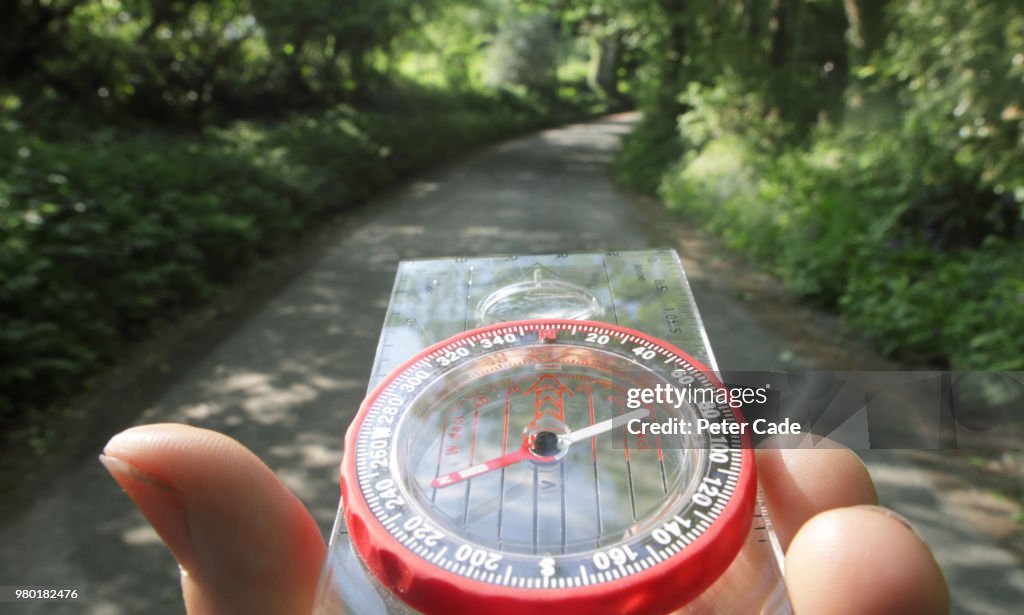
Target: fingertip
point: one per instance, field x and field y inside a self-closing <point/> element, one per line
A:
<point x="863" y="560"/>
<point x="158" y="501"/>
<point x="251" y="544"/>
<point x="187" y="453"/>
<point x="801" y="483"/>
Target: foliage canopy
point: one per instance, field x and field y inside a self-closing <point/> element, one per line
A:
<point x="869" y="151"/>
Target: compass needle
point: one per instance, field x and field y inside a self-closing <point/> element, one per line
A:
<point x="480" y="468"/>
<point x="608" y="425"/>
<point x="535" y="452"/>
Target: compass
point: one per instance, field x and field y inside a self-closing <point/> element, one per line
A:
<point x="504" y="470"/>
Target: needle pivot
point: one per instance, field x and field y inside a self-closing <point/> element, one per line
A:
<point x="545" y="444"/>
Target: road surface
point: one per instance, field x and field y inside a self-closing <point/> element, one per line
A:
<point x="284" y="373"/>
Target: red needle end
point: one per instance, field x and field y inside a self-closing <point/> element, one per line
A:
<point x="480" y="468"/>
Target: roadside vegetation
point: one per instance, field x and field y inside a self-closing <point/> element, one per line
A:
<point x="152" y="149"/>
<point x="869" y="152"/>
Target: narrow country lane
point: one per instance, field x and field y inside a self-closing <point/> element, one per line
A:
<point x="287" y="378"/>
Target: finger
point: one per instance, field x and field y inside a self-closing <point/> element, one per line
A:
<point x="864" y="560"/>
<point x="800" y="483"/>
<point x="244" y="542"/>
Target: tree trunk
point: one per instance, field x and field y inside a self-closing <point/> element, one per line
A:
<point x="867" y="28"/>
<point x="866" y="35"/>
<point x="605" y="61"/>
<point x="780" y="33"/>
<point x="672" y="72"/>
<point x="753" y="12"/>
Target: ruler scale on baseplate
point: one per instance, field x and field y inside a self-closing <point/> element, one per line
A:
<point x="491" y="467"/>
<point x="434" y="299"/>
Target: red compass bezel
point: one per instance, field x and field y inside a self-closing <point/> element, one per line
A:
<point x="432" y="589"/>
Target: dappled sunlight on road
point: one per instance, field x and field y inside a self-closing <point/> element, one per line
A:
<point x="422" y="189"/>
<point x="142" y="534"/>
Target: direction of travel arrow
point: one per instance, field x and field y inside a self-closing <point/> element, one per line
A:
<point x="549" y="396"/>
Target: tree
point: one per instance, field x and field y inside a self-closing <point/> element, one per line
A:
<point x="312" y="37"/>
<point x="525" y="53"/>
<point x="28" y="30"/>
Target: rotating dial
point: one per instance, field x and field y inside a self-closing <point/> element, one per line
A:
<point x="501" y="470"/>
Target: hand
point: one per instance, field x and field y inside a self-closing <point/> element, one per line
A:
<point x="245" y="544"/>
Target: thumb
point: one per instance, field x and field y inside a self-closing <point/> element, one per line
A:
<point x="245" y="544"/>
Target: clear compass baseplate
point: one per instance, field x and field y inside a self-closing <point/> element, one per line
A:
<point x="492" y="470"/>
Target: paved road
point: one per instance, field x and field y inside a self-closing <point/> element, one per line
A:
<point x="286" y="376"/>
